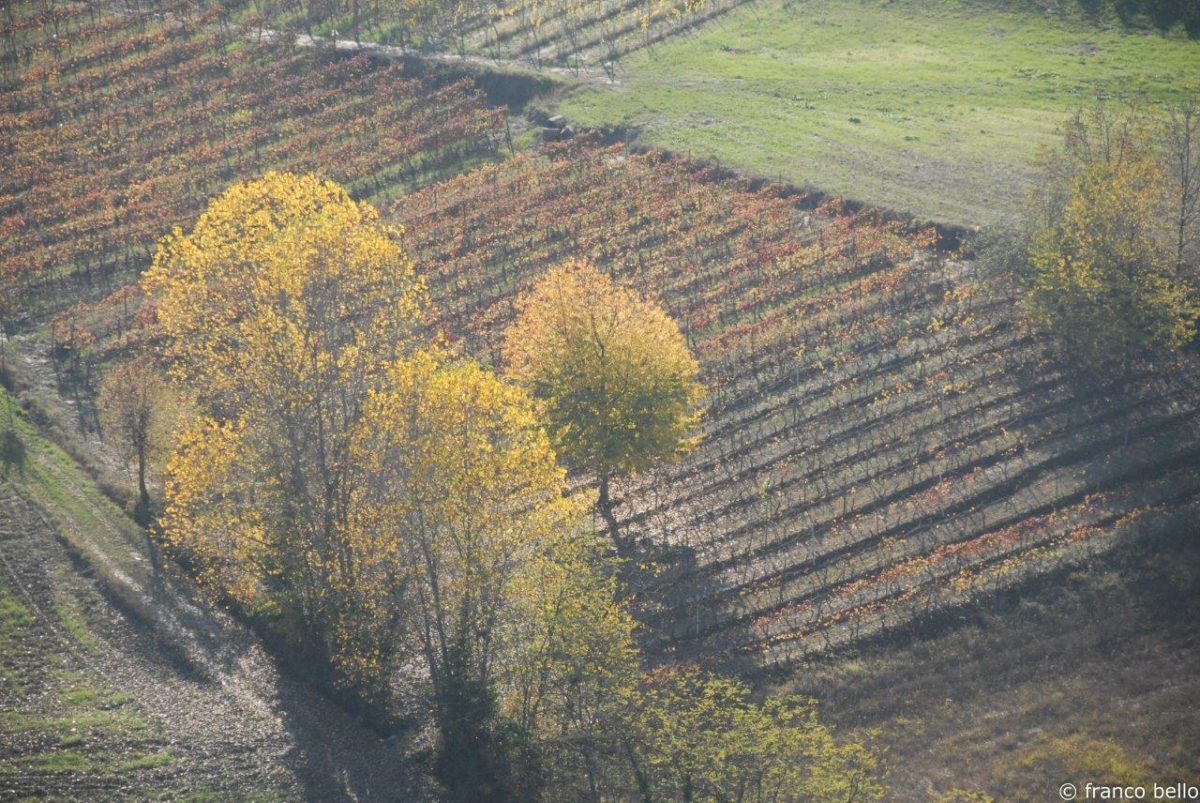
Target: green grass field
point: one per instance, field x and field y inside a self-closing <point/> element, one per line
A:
<point x="933" y="107"/>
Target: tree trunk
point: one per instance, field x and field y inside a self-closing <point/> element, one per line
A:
<point x="639" y="774"/>
<point x="141" y="513"/>
<point x="605" y="504"/>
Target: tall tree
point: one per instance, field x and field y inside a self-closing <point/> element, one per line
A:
<point x="281" y="309"/>
<point x="462" y="507"/>
<point x="618" y="382"/>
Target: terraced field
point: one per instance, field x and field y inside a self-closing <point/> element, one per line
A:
<point x="884" y="439"/>
<point x="887" y="449"/>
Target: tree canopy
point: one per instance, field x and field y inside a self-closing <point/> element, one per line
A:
<point x="280" y="311"/>
<point x="618" y="382"/>
<point x="285" y="281"/>
<point x="388" y="503"/>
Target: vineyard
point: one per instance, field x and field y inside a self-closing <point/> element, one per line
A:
<point x="115" y="128"/>
<point x="884" y="440"/>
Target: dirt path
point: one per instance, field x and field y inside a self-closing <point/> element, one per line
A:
<point x="584" y="75"/>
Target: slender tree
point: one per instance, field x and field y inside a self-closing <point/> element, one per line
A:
<point x="464" y="515"/>
<point x="1181" y="139"/>
<point x="137" y="411"/>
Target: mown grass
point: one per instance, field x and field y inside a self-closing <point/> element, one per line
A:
<point x="67" y="759"/>
<point x="81" y="692"/>
<point x="209" y="795"/>
<point x="14" y="616"/>
<point x="75" y="720"/>
<point x="934" y="107"/>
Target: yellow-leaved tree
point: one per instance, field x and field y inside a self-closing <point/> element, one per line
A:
<point x="403" y="512"/>
<point x="397" y="507"/>
<point x="280" y="310"/>
<point x="694" y="736"/>
<point x="619" y="385"/>
<point x="466" y="526"/>
<point x="1113" y="263"/>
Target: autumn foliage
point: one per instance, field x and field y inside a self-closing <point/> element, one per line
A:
<point x="619" y="384"/>
<point x="391" y="505"/>
<point x="1114" y="263"/>
<point x="280" y="311"/>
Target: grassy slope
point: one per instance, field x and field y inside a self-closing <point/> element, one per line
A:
<point x="70" y="724"/>
<point x="952" y="99"/>
<point x="76" y="508"/>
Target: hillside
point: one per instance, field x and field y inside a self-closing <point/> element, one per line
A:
<point x="1082" y="675"/>
<point x="883" y="438"/>
<point x="889" y="453"/>
<point x="974" y="551"/>
<point x="118" y="127"/>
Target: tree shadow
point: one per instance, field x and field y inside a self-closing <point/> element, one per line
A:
<point x="332" y="755"/>
<point x="667" y="586"/>
<point x="337" y="758"/>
